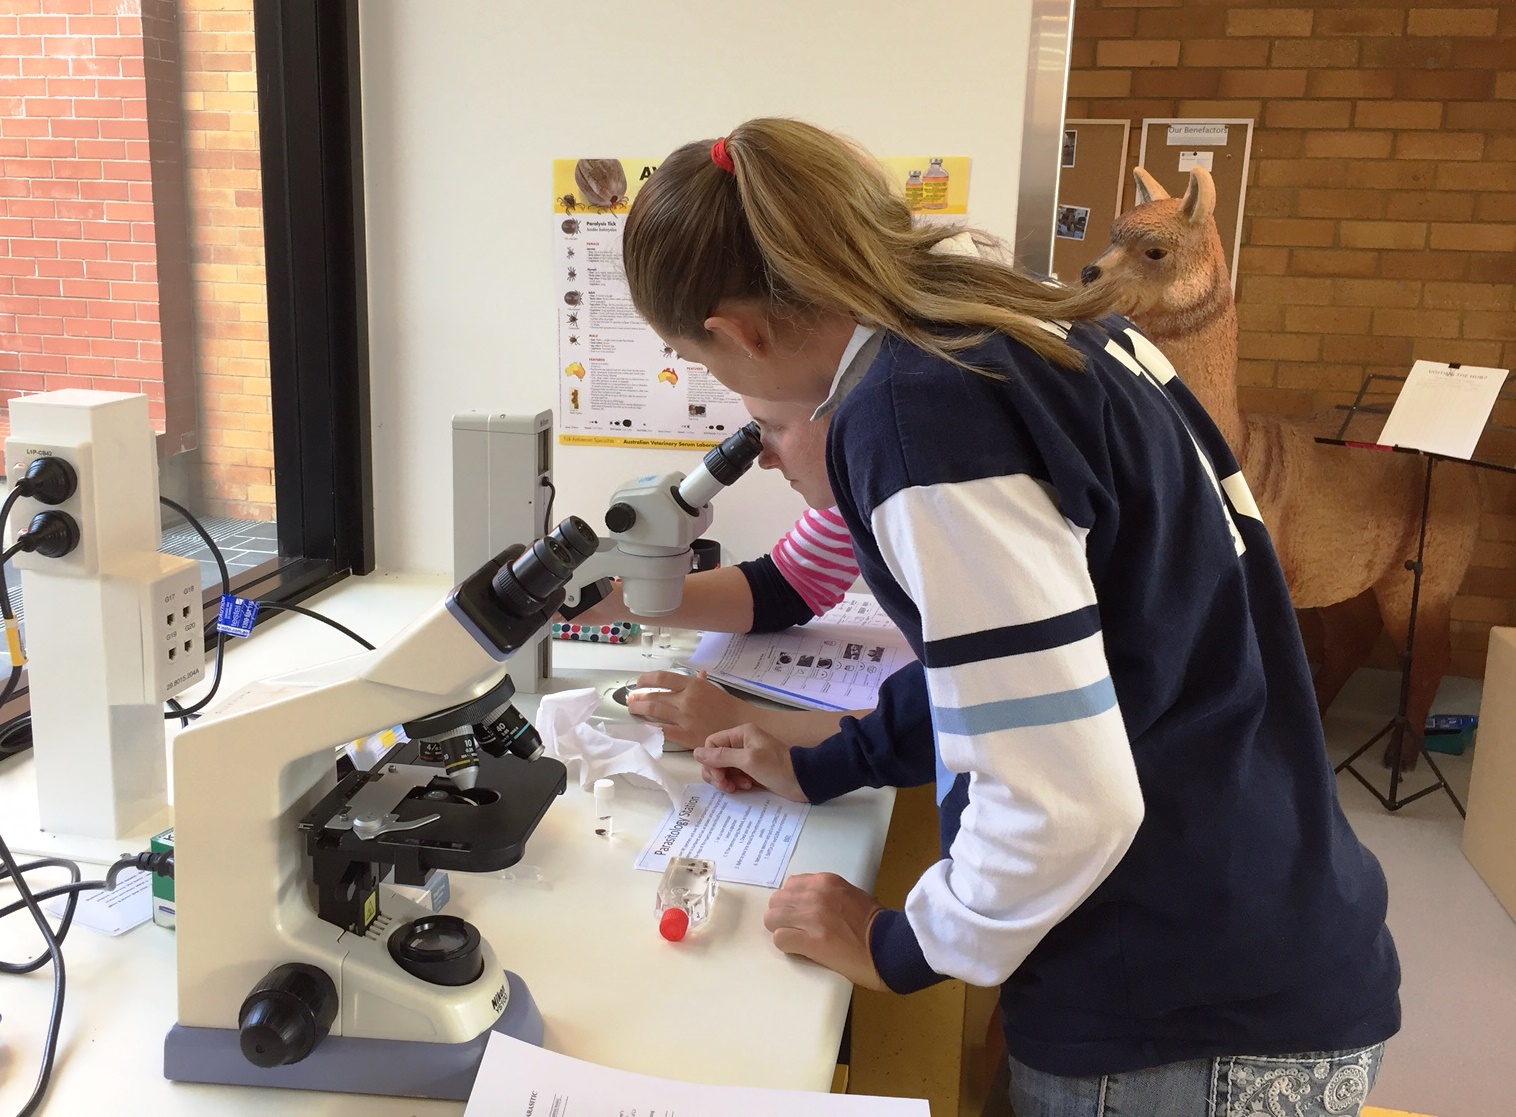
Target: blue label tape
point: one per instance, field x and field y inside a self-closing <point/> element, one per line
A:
<point x="237" y="615"/>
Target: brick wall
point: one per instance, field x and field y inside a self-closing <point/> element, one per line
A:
<point x="78" y="274"/>
<point x="226" y="222"/>
<point x="92" y="256"/>
<point x="1381" y="209"/>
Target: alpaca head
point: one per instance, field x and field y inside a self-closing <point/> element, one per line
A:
<point x="1166" y="266"/>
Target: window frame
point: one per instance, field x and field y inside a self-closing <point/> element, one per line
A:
<point x="316" y="272"/>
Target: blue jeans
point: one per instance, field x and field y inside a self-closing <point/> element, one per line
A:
<point x="1318" y="1084"/>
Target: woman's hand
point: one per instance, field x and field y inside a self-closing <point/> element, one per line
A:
<point x="822" y="917"/>
<point x="746" y="758"/>
<point x="692" y="709"/>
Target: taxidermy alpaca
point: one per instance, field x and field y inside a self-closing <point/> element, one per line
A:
<point x="1343" y="521"/>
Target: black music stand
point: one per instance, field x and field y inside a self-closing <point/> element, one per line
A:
<point x="1400" y="724"/>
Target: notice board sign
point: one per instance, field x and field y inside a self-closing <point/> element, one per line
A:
<point x="1171" y="146"/>
<point x="1091" y="178"/>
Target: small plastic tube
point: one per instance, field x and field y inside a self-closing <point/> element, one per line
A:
<point x="605" y="798"/>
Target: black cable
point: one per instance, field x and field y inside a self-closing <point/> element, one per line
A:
<point x="55" y="953"/>
<point x="183" y="713"/>
<point x="16" y="735"/>
<point x="552" y="495"/>
<point x="161" y="861"/>
<point x="279" y="606"/>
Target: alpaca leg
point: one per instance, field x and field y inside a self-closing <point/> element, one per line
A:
<point x="1433" y="656"/>
<point x="1348" y="631"/>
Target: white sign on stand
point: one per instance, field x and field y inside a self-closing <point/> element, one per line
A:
<point x="1442" y="409"/>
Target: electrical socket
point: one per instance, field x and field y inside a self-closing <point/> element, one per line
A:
<point x="83" y="559"/>
<point x="167" y="588"/>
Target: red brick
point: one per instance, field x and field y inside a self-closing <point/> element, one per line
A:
<point x="1491" y="267"/>
<point x="1424" y="205"/>
<point x="1382" y="234"/>
<point x="1315" y="53"/>
<point x="1467" y="22"/>
<point x="1401" y="322"/>
<point x="1440" y="145"/>
<point x="1131" y="53"/>
<point x="1360" y="21"/>
<point x="1491" y="116"/>
<point x="1424" y="265"/>
<point x="1458" y="296"/>
<point x="1273" y="22"/>
<point x="1479" y="238"/>
<point x="1291" y="231"/>
<point x="1263" y="83"/>
<point x="1376" y="292"/>
<point x="1485" y="175"/>
<point x="1392" y="351"/>
<point x="1188" y="82"/>
<point x="1097" y="23"/>
<point x="1367" y="204"/>
<point x="1222" y="52"/>
<point x="1446" y="85"/>
<point x="1100" y="83"/>
<point x="1333" y="262"/>
<point x="1308" y="114"/>
<point x="1351" y="83"/>
<point x="1353" y="144"/>
<point x="1399" y="114"/>
<point x="1327" y="319"/>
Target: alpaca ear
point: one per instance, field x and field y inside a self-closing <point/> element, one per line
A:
<point x="1148" y="189"/>
<point x="1200" y="197"/>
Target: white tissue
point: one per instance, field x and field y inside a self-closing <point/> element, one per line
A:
<point x="628" y="749"/>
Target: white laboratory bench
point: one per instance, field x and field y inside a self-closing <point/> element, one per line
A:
<point x="575" y="920"/>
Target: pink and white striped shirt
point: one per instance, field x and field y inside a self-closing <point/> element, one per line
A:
<point x="816" y="558"/>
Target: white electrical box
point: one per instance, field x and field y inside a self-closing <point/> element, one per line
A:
<point x="113" y="628"/>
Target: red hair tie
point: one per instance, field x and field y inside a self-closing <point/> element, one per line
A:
<point x="721" y="158"/>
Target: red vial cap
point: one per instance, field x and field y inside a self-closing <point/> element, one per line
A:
<point x="674" y="923"/>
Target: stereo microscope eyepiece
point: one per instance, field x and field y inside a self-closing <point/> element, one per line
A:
<point x="722" y="465"/>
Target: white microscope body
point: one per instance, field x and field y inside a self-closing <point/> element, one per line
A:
<point x="273" y="993"/>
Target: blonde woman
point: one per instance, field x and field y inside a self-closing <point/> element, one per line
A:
<point x="1149" y="859"/>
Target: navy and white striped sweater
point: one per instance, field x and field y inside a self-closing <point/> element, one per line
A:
<point x="1144" y="844"/>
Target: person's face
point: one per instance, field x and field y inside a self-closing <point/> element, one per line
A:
<point x="795" y="446"/>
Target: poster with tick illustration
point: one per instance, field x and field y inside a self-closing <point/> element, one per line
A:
<point x="618" y="384"/>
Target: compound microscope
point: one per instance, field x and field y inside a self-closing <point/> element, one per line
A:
<point x="296" y="967"/>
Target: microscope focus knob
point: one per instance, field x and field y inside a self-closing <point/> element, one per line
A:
<point x="286" y="1015"/>
<point x="620" y="517"/>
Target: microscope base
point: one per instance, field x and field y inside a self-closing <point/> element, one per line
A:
<point x="400" y="1068"/>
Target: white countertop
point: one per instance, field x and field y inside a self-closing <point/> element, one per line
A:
<point x="575" y="920"/>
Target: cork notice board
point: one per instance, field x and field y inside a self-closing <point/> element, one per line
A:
<point x="1090" y="183"/>
<point x="1170" y="145"/>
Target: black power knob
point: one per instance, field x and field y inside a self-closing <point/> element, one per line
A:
<point x="286" y="1015"/>
<point x="620" y="517"/>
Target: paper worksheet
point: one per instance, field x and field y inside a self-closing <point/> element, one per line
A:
<point x="127" y="905"/>
<point x="1443" y="408"/>
<point x="836" y="662"/>
<point x="517" y="1079"/>
<point x="749" y="836"/>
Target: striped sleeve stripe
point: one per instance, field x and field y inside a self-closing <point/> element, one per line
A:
<point x="1022" y="713"/>
<point x="1019" y="639"/>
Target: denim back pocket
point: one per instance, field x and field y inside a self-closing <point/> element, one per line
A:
<point x="1320" y="1084"/>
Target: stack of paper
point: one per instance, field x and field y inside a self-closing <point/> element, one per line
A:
<point x="836" y="662"/>
<point x="519" y="1080"/>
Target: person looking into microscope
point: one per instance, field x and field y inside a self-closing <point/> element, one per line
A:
<point x="1150" y="861"/>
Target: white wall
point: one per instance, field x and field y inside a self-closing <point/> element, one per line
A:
<point x="466" y="104"/>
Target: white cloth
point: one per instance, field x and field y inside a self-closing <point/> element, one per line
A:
<point x="606" y="749"/>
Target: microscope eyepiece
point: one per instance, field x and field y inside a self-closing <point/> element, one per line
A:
<point x="732" y="458"/>
<point x="577" y="536"/>
<point x="524" y="585"/>
<point x="722" y="465"/>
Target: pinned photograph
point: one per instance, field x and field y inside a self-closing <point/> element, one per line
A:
<point x="1070" y="142"/>
<point x="1072" y="221"/>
